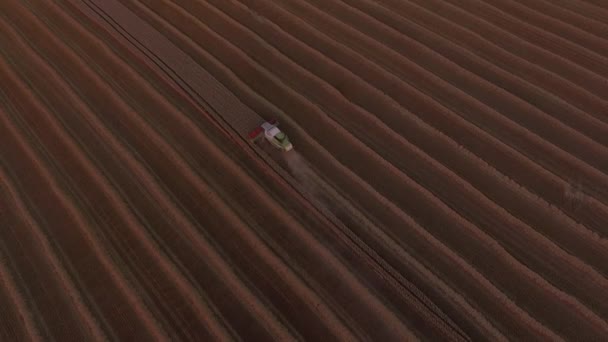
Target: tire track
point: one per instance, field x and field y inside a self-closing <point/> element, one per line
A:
<point x="299" y="106"/>
<point x="99" y="129"/>
<point x="168" y="163"/>
<point x="398" y="221"/>
<point x="498" y="223"/>
<point x="190" y="179"/>
<point x="513" y="205"/>
<point x="319" y="148"/>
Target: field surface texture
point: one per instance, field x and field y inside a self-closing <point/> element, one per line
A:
<point x="449" y="177"/>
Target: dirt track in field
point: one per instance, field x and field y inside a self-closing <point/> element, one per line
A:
<point x="449" y="178"/>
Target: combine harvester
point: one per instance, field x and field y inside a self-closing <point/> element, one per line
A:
<point x="273" y="134"/>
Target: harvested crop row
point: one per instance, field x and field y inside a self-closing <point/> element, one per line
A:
<point x="360" y="189"/>
<point x="154" y="215"/>
<point x="547" y="23"/>
<point x="566" y="16"/>
<point x="219" y="181"/>
<point x="444" y="184"/>
<point x="147" y="155"/>
<point x="22" y="323"/>
<point x="72" y="233"/>
<point x="516" y="162"/>
<point x="422" y="167"/>
<point x="198" y="35"/>
<point x="452" y="40"/>
<point x="593" y="11"/>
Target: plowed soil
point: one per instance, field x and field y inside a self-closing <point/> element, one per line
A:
<point x="449" y="178"/>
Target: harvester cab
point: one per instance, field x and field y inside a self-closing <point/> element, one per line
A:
<point x="273" y="134"/>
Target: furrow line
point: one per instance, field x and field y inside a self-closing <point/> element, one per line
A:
<point x="366" y="193"/>
<point x="591" y="11"/>
<point x="232" y="185"/>
<point x="48" y="276"/>
<point x="105" y="136"/>
<point x="156" y="102"/>
<point x="571" y="175"/>
<point x="437" y="142"/>
<point x="568" y="17"/>
<point x="593" y="59"/>
<point x="45" y="188"/>
<point x="466" y="12"/>
<point x="543" y="21"/>
<point x="424" y="161"/>
<point x="387" y="167"/>
<point x="474" y="83"/>
<point x="106" y="201"/>
<point x="507" y="54"/>
<point x="21" y="323"/>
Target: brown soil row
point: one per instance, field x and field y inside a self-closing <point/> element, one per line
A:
<point x="433" y="26"/>
<point x="102" y="99"/>
<point x="564" y="29"/>
<point x="590" y="57"/>
<point x="586" y="66"/>
<point x="376" y="203"/>
<point x="190" y="144"/>
<point x="516" y="163"/>
<point x="497" y="219"/>
<point x="65" y="221"/>
<point x="155" y="218"/>
<point x="437" y="145"/>
<point x="198" y="34"/>
<point x="569" y="17"/>
<point x="585" y="8"/>
<point x="450" y="186"/>
<point x="20" y="322"/>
